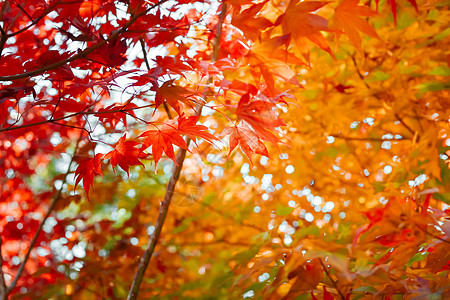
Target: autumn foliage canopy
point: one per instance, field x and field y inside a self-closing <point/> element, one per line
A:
<point x="258" y="149"/>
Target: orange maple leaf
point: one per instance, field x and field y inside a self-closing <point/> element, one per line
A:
<point x="248" y="21"/>
<point x="261" y="116"/>
<point x="301" y="23"/>
<point x="247" y="140"/>
<point x="347" y="18"/>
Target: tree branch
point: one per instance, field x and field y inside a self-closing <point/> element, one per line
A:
<point x="41" y="225"/>
<point x="3" y="294"/>
<point x="3" y="39"/>
<point x="359" y="72"/>
<point x="147" y="64"/>
<point x="405" y="125"/>
<point x="164" y="208"/>
<point x="73" y="115"/>
<point x="35" y="21"/>
<point x="83" y="53"/>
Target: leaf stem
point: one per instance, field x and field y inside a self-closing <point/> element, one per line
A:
<point x="164" y="208"/>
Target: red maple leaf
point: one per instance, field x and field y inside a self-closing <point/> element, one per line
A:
<point x="190" y="127"/>
<point x="125" y="154"/>
<point x="87" y="169"/>
<point x="172" y="94"/>
<point x="162" y="141"/>
<point x="111" y="53"/>
<point x="113" y="114"/>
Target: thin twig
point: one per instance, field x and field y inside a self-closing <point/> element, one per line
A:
<point x="73" y="115"/>
<point x="359" y="72"/>
<point x="147" y="64"/>
<point x="433" y="235"/>
<point x="41" y="225"/>
<point x="405" y="125"/>
<point x="164" y="208"/>
<point x="332" y="280"/>
<point x="35" y="21"/>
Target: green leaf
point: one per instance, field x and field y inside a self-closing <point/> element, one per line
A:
<point x="440" y="71"/>
<point x="444" y="197"/>
<point x="405" y="19"/>
<point x="208" y="199"/>
<point x="377" y="76"/>
<point x="283" y="210"/>
<point x="305" y="296"/>
<point x="379" y="186"/>
<point x="310" y="230"/>
<point x="417" y="257"/>
<point x="367" y="289"/>
<point x="184" y="225"/>
<point x="433" y="86"/>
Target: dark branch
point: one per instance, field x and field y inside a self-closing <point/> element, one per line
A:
<point x="83" y="53"/>
<point x="3" y="294"/>
<point x="164" y="208"/>
<point x="73" y="115"/>
<point x="41" y="225"/>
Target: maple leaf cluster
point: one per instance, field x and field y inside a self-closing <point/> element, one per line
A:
<point x="344" y="104"/>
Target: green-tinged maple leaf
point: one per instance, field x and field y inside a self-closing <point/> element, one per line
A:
<point x="247" y="140"/>
<point x="125" y="154"/>
<point x="162" y="140"/>
<point x="348" y="18"/>
<point x="87" y="169"/>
